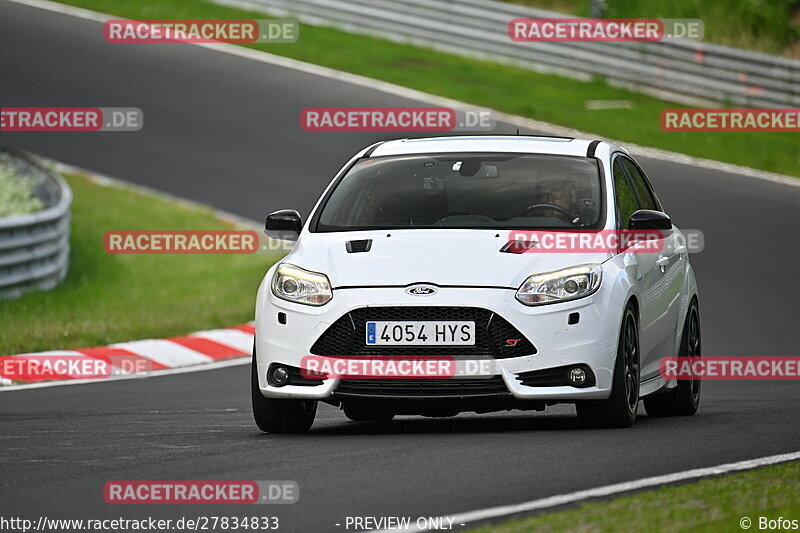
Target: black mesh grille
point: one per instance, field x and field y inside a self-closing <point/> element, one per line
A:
<point x="363" y="245"/>
<point x="550" y="377"/>
<point x="296" y="378"/>
<point x="495" y="337"/>
<point x="454" y="388"/>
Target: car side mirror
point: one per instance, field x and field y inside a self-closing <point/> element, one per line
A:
<point x="284" y="225"/>
<point x="647" y="219"/>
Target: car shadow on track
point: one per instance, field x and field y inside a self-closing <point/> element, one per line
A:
<point x="467" y="424"/>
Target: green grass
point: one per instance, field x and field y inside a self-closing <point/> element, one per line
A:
<point x="112" y="298"/>
<point x="712" y="506"/>
<point x="509" y="89"/>
<point x="771" y="26"/>
<point x="571" y="7"/>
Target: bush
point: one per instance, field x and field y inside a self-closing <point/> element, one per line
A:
<point x="17" y="193"/>
<point x="765" y="25"/>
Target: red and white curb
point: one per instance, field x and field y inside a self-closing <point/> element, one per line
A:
<point x="159" y="356"/>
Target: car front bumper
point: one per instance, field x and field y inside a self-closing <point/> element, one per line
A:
<point x="592" y="341"/>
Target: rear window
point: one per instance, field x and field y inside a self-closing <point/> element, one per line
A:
<point x="502" y="191"/>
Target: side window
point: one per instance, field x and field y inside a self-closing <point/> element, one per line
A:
<point x="646" y="200"/>
<point x="626" y="200"/>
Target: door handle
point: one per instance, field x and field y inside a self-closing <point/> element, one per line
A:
<point x="662" y="263"/>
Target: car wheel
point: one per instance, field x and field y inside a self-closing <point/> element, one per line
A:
<point x="619" y="410"/>
<point x="274" y="415"/>
<point x="366" y="413"/>
<point x="685" y="398"/>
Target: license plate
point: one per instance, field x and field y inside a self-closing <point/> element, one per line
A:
<point x="416" y="333"/>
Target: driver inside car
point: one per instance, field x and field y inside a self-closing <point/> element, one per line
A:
<point x="558" y="193"/>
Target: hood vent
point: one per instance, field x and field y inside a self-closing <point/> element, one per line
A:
<point x="518" y="247"/>
<point x="354" y="247"/>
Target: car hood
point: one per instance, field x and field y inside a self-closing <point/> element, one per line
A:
<point x="439" y="256"/>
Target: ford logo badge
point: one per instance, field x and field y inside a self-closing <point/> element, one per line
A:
<point x="422" y="290"/>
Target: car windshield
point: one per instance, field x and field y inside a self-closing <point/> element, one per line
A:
<point x="496" y="191"/>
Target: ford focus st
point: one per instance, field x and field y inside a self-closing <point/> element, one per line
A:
<point x="424" y="283"/>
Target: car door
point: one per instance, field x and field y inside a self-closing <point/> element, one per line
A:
<point x="646" y="278"/>
<point x="664" y="280"/>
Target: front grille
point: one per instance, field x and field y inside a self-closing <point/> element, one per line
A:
<point x="424" y="388"/>
<point x="495" y="336"/>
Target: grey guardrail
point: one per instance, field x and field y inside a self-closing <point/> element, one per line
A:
<point x="34" y="247"/>
<point x="690" y="70"/>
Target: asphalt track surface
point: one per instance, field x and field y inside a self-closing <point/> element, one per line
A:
<point x="224" y="130"/>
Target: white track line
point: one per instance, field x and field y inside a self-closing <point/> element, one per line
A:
<point x="107" y="181"/>
<point x="412" y="94"/>
<point x="608" y="490"/>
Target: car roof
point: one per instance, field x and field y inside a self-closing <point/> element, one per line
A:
<point x="486" y="143"/>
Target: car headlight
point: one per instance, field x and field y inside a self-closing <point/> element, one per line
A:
<point x="301" y="286"/>
<point x="560" y="286"/>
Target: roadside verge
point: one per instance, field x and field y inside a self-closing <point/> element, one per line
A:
<point x="110" y="297"/>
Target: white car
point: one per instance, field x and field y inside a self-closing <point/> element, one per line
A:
<point x="412" y="252"/>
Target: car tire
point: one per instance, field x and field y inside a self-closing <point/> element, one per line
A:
<point x="274" y="415"/>
<point x="366" y="413"/>
<point x="621" y="407"/>
<point x="685" y="398"/>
